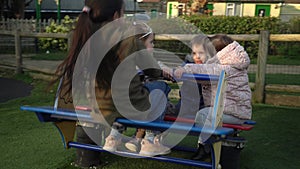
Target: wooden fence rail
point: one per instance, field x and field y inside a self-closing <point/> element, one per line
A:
<point x="239" y="37"/>
<point x="27" y="25"/>
<point x="264" y="38"/>
<point x="18" y="34"/>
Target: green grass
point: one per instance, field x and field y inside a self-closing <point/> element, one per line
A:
<point x="27" y="143"/>
<point x="287" y="79"/>
<point x="280" y="60"/>
<point x="52" y="55"/>
<point x="274" y="141"/>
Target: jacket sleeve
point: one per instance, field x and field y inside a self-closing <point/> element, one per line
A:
<point x="212" y="69"/>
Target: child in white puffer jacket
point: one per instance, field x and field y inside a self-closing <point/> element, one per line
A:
<point x="232" y="58"/>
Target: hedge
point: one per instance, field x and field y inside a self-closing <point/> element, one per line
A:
<point x="204" y="24"/>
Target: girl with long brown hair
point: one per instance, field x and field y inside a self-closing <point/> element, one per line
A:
<point x="96" y="16"/>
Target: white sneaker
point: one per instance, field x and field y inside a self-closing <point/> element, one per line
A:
<point x="152" y="149"/>
<point x="111" y="144"/>
<point x="134" y="144"/>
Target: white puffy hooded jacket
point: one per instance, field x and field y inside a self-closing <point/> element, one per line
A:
<point x="235" y="61"/>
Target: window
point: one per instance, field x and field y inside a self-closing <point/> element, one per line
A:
<point x="238" y="11"/>
<point x="233" y="9"/>
<point x="230" y="9"/>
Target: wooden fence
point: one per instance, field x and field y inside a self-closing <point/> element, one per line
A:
<point x="264" y="38"/>
<point x="18" y="34"/>
<point x="25" y="25"/>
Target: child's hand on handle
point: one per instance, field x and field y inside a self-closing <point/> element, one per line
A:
<point x="168" y="74"/>
<point x="178" y="72"/>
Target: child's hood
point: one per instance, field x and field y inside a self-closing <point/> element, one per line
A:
<point x="235" y="55"/>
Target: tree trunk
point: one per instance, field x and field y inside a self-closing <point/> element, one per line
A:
<point x="18" y="7"/>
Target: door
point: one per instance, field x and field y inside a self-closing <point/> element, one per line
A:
<point x="262" y="10"/>
<point x="210" y="8"/>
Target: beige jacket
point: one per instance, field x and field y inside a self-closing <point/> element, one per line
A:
<point x="125" y="85"/>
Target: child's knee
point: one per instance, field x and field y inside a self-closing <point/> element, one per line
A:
<point x="201" y="116"/>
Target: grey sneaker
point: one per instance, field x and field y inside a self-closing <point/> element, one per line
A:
<point x="152" y="149"/>
<point x="134" y="144"/>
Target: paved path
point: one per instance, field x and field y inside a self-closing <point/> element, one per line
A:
<point x="43" y="66"/>
<point x="10" y="89"/>
<point x="49" y="67"/>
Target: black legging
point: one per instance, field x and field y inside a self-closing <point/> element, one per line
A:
<point x="87" y="158"/>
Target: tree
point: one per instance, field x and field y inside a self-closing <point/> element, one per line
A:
<point x="18" y="7"/>
<point x="198" y="6"/>
<point x="4" y="5"/>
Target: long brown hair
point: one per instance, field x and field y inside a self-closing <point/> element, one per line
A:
<point x="95" y="15"/>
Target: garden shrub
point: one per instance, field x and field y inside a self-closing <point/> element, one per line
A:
<point x="240" y="25"/>
<point x="196" y="24"/>
<point x="173" y="26"/>
<point x="66" y="26"/>
<point x="294" y="25"/>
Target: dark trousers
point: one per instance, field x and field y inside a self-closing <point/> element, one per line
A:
<point x="87" y="158"/>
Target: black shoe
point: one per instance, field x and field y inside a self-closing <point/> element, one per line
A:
<point x="202" y="153"/>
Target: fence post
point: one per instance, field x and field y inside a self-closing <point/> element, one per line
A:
<point x="259" y="91"/>
<point x="18" y="51"/>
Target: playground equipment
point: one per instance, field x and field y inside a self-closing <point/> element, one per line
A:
<point x="222" y="134"/>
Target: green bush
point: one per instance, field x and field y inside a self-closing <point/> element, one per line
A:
<point x="236" y="24"/>
<point x="227" y="25"/>
<point x="200" y="24"/>
<point x="54" y="43"/>
<point x="173" y="26"/>
<point x="288" y="48"/>
<point x="294" y="25"/>
<point x="240" y="25"/>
